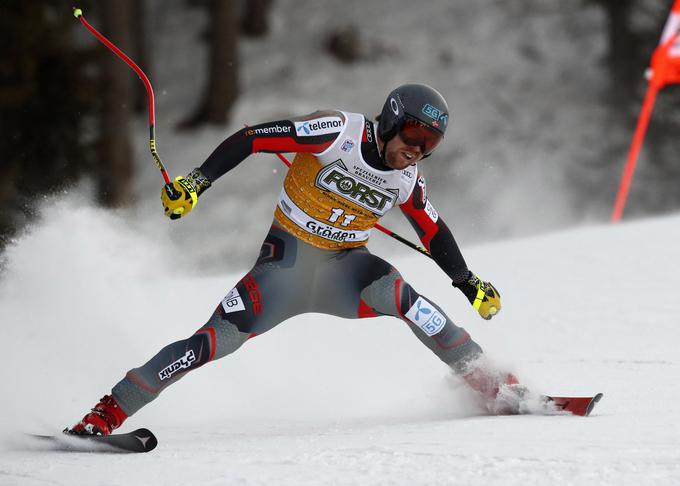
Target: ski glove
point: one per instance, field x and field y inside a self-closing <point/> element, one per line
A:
<point x="482" y="295"/>
<point x="181" y="195"/>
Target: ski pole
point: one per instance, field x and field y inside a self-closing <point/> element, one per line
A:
<point x="379" y="227"/>
<point x="78" y="13"/>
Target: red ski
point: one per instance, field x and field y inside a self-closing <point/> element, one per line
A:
<point x="576" y="405"/>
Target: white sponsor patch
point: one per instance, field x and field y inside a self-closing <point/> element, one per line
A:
<point x="431" y="211"/>
<point x="425" y="316"/>
<point x="347" y="145"/>
<point x="183" y="362"/>
<point x="316" y="227"/>
<point x="268" y="130"/>
<point x="318" y="126"/>
<point x="233" y="302"/>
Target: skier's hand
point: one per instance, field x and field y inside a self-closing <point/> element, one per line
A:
<point x="482" y="295"/>
<point x="181" y="195"/>
<point x="179" y="198"/>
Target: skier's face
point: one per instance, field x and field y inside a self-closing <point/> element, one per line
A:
<point x="399" y="155"/>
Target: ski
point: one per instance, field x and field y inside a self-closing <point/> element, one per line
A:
<point x="140" y="440"/>
<point x="581" y="406"/>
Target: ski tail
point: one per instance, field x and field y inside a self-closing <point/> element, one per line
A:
<point x="140" y="440"/>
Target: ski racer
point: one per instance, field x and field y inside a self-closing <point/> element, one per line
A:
<point x="348" y="172"/>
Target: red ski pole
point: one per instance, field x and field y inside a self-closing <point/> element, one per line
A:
<point x="379" y="227"/>
<point x="78" y="13"/>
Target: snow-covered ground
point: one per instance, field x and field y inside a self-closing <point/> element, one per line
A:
<point x="322" y="400"/>
<point x="88" y="294"/>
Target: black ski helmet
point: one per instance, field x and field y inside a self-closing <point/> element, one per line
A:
<point x="419" y="102"/>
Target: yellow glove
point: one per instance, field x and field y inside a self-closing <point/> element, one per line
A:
<point x="178" y="198"/>
<point x="482" y="295"/>
<point x="181" y="195"/>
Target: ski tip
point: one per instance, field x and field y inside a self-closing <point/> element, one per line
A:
<point x="593" y="402"/>
<point x="581" y="406"/>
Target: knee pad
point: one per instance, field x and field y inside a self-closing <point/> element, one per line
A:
<point x="383" y="295"/>
<point x="224" y="336"/>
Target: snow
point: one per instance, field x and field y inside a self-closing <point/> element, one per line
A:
<point x="322" y="400"/>
<point x="87" y="294"/>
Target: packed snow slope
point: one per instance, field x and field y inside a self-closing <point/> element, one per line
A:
<point x="321" y="400"/>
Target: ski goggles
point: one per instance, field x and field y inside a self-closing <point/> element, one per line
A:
<point x="417" y="134"/>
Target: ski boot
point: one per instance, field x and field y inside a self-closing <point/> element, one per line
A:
<point x="104" y="418"/>
<point x="501" y="392"/>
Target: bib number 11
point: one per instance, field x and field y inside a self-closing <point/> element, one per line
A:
<point x="337" y="212"/>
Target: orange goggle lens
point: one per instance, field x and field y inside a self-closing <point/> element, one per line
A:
<point x="414" y="133"/>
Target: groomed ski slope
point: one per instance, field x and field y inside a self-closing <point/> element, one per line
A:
<point x="321" y="400"/>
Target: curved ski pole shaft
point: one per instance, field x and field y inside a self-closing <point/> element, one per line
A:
<point x="284" y="160"/>
<point x="379" y="227"/>
<point x="78" y="13"/>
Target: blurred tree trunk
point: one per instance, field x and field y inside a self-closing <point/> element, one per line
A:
<point x="624" y="52"/>
<point x="222" y="88"/>
<point x="115" y="168"/>
<point x="42" y="108"/>
<point x="255" y="18"/>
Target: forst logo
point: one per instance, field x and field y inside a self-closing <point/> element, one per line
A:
<point x="337" y="179"/>
<point x="358" y="191"/>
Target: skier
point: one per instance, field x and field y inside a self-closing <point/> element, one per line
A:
<point x="348" y="172"/>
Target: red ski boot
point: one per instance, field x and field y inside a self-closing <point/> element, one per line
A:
<point x="104" y="418"/>
<point x="502" y="393"/>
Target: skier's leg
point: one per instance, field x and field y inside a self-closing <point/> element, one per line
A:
<point x="364" y="285"/>
<point x="372" y="287"/>
<point x="216" y="339"/>
<point x="267" y="295"/>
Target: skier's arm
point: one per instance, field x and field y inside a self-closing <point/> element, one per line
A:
<point x="273" y="137"/>
<point x="291" y="135"/>
<point x="433" y="233"/>
<point x="439" y="241"/>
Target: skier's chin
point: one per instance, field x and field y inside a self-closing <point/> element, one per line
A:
<point x="399" y="164"/>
